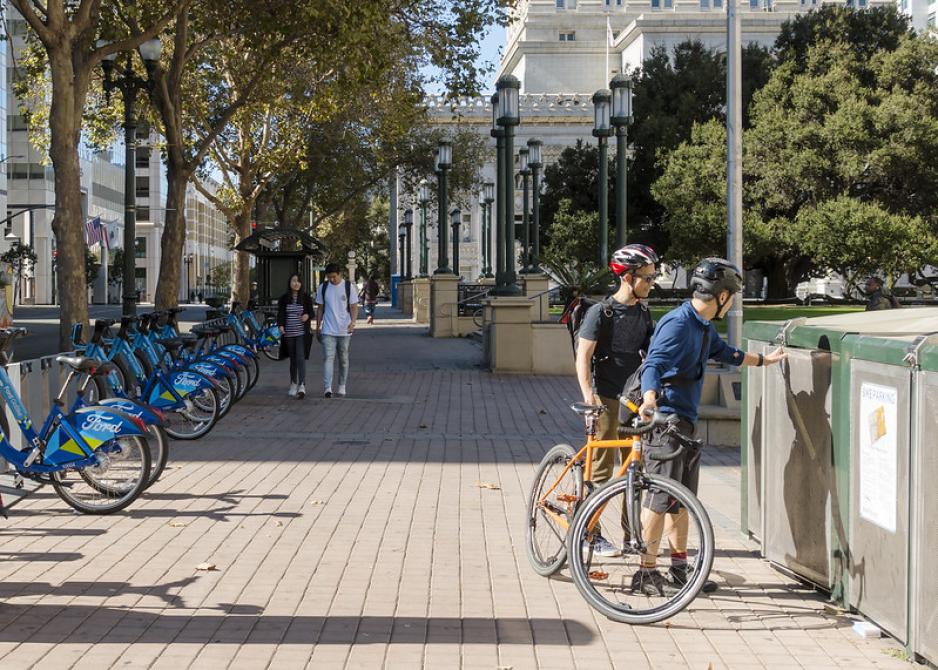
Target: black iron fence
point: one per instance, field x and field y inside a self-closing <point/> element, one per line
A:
<point x="470" y="297"/>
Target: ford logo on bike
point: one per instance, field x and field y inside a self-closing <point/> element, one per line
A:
<point x="127" y="408"/>
<point x="100" y="423"/>
<point x="186" y="380"/>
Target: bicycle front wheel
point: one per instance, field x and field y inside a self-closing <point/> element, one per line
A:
<point x="116" y="481"/>
<point x="551" y="504"/>
<point x="196" y="419"/>
<point x="618" y="586"/>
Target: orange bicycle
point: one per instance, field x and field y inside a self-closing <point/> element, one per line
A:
<point x="567" y="515"/>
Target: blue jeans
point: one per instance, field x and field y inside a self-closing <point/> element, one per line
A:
<point x="330" y="345"/>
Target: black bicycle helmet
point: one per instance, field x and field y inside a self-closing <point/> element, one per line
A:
<point x="713" y="275"/>
<point x="631" y="257"/>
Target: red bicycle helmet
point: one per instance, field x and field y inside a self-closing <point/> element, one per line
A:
<point x="631" y="257"/>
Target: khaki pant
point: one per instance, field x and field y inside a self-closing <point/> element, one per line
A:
<point x="606" y="460"/>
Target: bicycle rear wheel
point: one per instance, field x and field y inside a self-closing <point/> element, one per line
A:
<point x="615" y="586"/>
<point x="196" y="419"/>
<point x="550" y="513"/>
<point x="117" y="480"/>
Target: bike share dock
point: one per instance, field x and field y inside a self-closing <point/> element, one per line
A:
<point x="840" y="444"/>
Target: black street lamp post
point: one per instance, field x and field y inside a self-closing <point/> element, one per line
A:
<point x="601" y="130"/>
<point x="454" y="219"/>
<point x="499" y="136"/>
<point x="509" y="116"/>
<point x="535" y="163"/>
<point x="128" y="83"/>
<point x="188" y="259"/>
<point x="408" y="243"/>
<point x="423" y="197"/>
<point x="444" y="163"/>
<point x="525" y="173"/>
<point x="621" y="87"/>
<point x="488" y="197"/>
<point x="400" y="253"/>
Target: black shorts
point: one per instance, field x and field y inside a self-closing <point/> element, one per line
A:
<point x="684" y="469"/>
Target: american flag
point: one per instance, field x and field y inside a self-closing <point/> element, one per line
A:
<point x="95" y="232"/>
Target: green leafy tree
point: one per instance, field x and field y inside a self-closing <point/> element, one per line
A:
<point x="68" y="31"/>
<point x="571" y="184"/>
<point x="20" y="258"/>
<point x="819" y="137"/>
<point x="92" y="268"/>
<point x="673" y="91"/>
<point x="866" y="32"/>
<point x="115" y="273"/>
<point x="573" y="237"/>
<point x="857" y="239"/>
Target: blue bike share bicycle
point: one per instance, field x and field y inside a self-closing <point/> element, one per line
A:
<point x="95" y="458"/>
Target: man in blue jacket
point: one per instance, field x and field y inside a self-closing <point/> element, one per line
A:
<point x="672" y="380"/>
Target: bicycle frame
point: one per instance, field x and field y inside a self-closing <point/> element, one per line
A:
<point x="585" y="454"/>
<point x="69" y="444"/>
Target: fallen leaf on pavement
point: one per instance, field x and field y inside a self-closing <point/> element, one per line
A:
<point x="423" y="425"/>
<point x="206" y="567"/>
<point x="177" y="524"/>
<point x="489" y="485"/>
<point x="542" y="411"/>
<point x="278" y="522"/>
<point x="317" y="502"/>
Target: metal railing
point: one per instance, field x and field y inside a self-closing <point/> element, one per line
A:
<point x="470" y="296"/>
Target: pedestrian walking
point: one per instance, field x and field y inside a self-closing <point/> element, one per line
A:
<point x="294" y="312"/>
<point x="337" y="311"/>
<point x="369" y="296"/>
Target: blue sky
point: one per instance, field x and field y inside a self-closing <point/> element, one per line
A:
<point x="491" y="52"/>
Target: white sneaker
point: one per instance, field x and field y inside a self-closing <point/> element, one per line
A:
<point x="301" y="391"/>
<point x="341" y="392"/>
<point x="292" y="391"/>
<point x="602" y="547"/>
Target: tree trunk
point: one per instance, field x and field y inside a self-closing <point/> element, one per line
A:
<point x="65" y="130"/>
<point x="174" y="237"/>
<point x="240" y="272"/>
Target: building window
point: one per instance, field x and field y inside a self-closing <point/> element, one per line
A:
<point x="140" y="247"/>
<point x="561" y="4"/>
<point x="668" y="4"/>
<point x="933" y="19"/>
<point x="705" y="4"/>
<point x="656" y="4"/>
<point x="568" y="36"/>
<point x="143" y="213"/>
<point x="143" y="187"/>
<point x="717" y="4"/>
<point x="143" y="158"/>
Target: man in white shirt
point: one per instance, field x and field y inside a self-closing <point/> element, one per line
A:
<point x="336" y="313"/>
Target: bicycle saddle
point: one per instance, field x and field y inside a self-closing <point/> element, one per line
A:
<point x="85" y="364"/>
<point x="171" y="342"/>
<point x="585" y="409"/>
<point x="104" y="323"/>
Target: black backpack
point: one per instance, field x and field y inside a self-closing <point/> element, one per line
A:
<point x="576" y="311"/>
<point x="631" y="398"/>
<point x="348" y="295"/>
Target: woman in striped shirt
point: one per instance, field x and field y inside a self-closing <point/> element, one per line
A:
<point x="294" y="311"/>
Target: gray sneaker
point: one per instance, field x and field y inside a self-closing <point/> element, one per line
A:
<point x="602" y="547"/>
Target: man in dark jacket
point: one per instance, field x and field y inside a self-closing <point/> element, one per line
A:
<point x="685" y="339"/>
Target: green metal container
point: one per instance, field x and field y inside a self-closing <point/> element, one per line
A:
<point x="796" y="438"/>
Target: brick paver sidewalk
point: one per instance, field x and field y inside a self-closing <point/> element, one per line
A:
<point x="354" y="533"/>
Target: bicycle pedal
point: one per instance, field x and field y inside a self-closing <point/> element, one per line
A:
<point x="598" y="575"/>
<point x="567" y="497"/>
